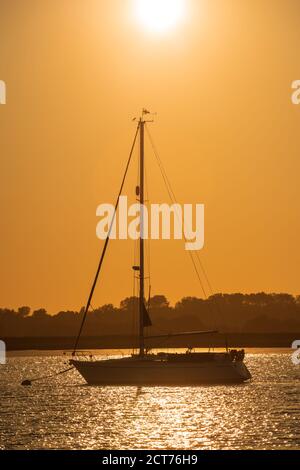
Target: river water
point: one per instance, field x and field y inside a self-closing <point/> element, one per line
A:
<point x="64" y="413"/>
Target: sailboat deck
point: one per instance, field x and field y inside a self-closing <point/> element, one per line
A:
<point x="203" y="357"/>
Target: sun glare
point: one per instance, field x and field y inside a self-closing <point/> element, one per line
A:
<point x="159" y="15"/>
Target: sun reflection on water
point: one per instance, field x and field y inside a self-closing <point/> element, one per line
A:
<point x="68" y="414"/>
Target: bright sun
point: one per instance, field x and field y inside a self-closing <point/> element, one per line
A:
<point x="159" y="15"/>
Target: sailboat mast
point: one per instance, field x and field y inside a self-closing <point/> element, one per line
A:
<point x="142" y="251"/>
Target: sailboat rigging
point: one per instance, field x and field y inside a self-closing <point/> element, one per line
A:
<point x="163" y="368"/>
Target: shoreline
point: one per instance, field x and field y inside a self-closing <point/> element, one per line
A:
<point x="120" y="343"/>
<point x="126" y="352"/>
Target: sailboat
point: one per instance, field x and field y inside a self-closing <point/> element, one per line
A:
<point x="145" y="368"/>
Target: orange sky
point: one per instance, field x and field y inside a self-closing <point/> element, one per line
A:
<point x="76" y="72"/>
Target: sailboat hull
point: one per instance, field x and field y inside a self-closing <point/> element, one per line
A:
<point x="154" y="372"/>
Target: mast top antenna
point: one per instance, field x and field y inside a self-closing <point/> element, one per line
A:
<point x="145" y="112"/>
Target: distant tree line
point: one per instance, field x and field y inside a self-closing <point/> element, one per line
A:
<point x="232" y="313"/>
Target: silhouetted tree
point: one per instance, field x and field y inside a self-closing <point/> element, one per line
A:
<point x="40" y="314"/>
<point x="159" y="301"/>
<point x="232" y="313"/>
<point x="24" y="311"/>
<point x="129" y="303"/>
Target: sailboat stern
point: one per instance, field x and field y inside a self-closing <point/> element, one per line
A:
<point x="242" y="371"/>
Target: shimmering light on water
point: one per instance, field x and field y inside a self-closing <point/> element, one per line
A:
<point x="66" y="414"/>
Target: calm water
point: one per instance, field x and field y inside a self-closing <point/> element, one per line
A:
<point x="66" y="414"/>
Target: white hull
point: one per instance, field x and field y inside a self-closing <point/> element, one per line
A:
<point x="141" y="372"/>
